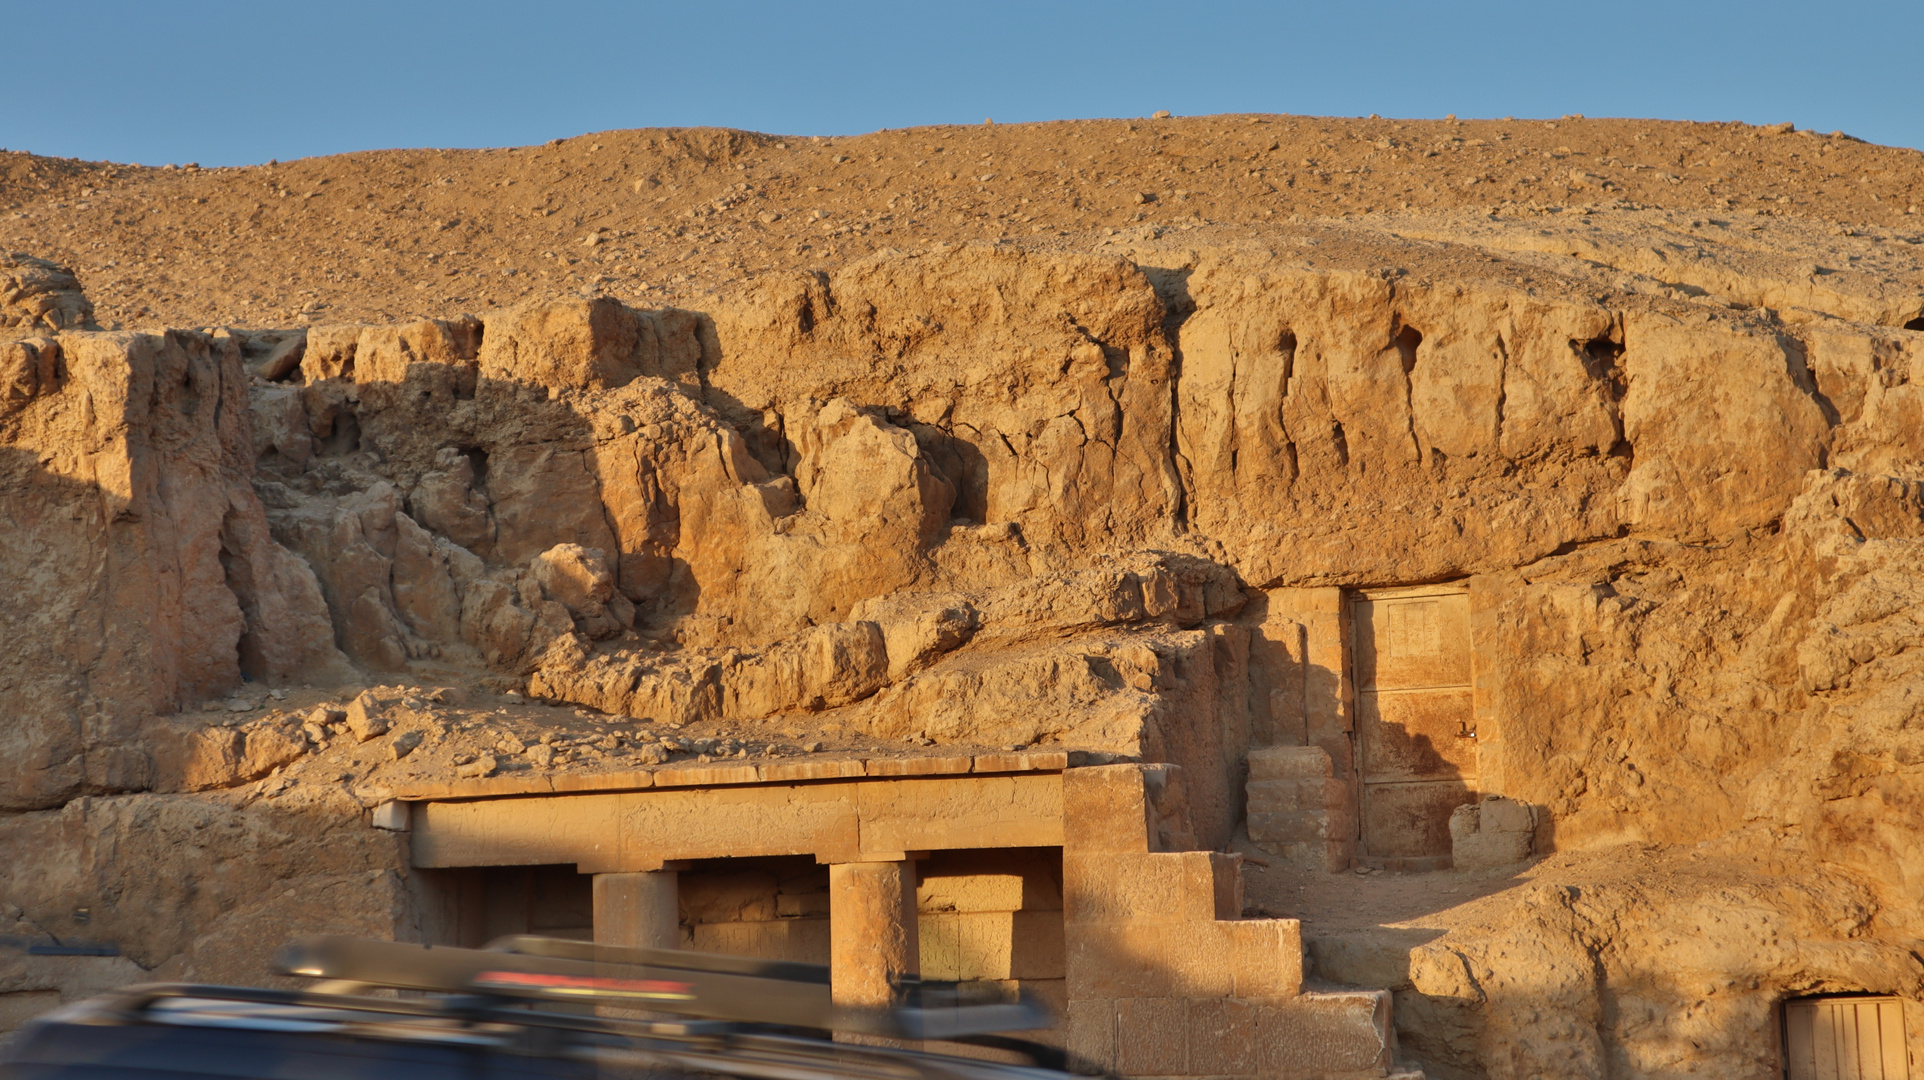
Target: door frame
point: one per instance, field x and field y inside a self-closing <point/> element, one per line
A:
<point x="1354" y="678"/>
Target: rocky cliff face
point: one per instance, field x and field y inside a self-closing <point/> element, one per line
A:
<point x="983" y="496"/>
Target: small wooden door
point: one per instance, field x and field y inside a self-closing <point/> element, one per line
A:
<point x="1415" y="727"/>
<point x="1845" y="1038"/>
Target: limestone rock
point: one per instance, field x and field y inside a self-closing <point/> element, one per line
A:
<point x="37" y="295"/>
<point x="1491" y="833"/>
<point x="405" y="744"/>
<point x="582" y="581"/>
<point x="969" y="498"/>
<point x="824" y="667"/>
<point x="281" y="428"/>
<point x="184" y="587"/>
<point x="445" y="501"/>
<point x="587" y="345"/>
<point x="269" y="747"/>
<point x="29" y="368"/>
<point x="918" y="627"/>
<point x="366" y="717"/>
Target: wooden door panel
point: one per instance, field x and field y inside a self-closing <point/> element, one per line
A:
<point x="1417" y="735"/>
<point x="1844" y="1038"/>
<point x="1411" y="819"/>
<point x="1414" y="641"/>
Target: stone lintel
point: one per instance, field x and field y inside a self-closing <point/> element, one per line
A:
<point x="726" y="774"/>
<point x="851" y="820"/>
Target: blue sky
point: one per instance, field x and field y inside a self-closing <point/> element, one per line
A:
<point x="226" y="83"/>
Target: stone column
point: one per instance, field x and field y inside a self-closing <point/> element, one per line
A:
<point x="642" y="910"/>
<point x="871" y="930"/>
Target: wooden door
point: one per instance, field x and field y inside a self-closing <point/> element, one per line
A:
<point x="1415" y="727"/>
<point x="1845" y="1038"/>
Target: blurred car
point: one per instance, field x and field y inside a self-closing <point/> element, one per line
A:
<point x="533" y="1008"/>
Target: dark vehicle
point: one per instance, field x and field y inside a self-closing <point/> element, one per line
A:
<point x="529" y="1008"/>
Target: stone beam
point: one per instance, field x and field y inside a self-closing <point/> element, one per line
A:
<point x="872" y="819"/>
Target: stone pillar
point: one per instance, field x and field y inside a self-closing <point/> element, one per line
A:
<point x="871" y="931"/>
<point x="642" y="910"/>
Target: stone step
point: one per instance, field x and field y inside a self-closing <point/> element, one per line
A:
<point x="1316" y="1035"/>
<point x="1376" y="956"/>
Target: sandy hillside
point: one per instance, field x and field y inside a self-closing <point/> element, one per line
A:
<point x="664" y="215"/>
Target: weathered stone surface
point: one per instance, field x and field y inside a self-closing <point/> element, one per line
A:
<point x="366" y="716"/>
<point x="969" y="499"/>
<point x="445" y="501"/>
<point x="238" y="881"/>
<point x="38" y="296"/>
<point x="1492" y="833"/>
<point x="151" y="580"/>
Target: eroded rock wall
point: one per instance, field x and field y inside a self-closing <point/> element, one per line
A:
<point x="141" y="572"/>
<point x="989" y="497"/>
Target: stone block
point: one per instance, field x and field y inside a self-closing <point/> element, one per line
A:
<point x="970" y="892"/>
<point x="1267" y="955"/>
<point x="1290" y="763"/>
<point x="1032" y="761"/>
<point x="947" y="812"/>
<point x="1106" y="808"/>
<point x="873" y="932"/>
<point x="1377" y="957"/>
<point x="1126" y="959"/>
<point x="1490" y="851"/>
<point x="812" y="770"/>
<point x="1091" y="1024"/>
<point x="624" y="780"/>
<point x="1491" y="833"/>
<point x="920" y="766"/>
<point x="1497" y="814"/>
<point x="1052" y="994"/>
<point x="1284" y="796"/>
<point x="706" y="775"/>
<point x="1222" y="1037"/>
<point x="985" y="941"/>
<point x="1036" y="945"/>
<point x="641" y="910"/>
<point x="1326" y="1034"/>
<point x="1152" y="1036"/>
<point x="1182" y="886"/>
<point x="940" y="945"/>
<point x="1308" y="821"/>
<point x="392" y="816"/>
<point x="800" y="940"/>
<point x="1294" y="827"/>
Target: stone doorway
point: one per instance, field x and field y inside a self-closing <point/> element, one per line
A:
<point x="1415" y="725"/>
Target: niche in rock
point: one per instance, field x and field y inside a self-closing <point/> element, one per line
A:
<point x="478" y="459"/>
<point x="1407" y="339"/>
<point x="962" y="464"/>
<point x="343" y="436"/>
<point x="1603" y="359"/>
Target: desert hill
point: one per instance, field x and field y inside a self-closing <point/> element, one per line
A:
<point x="661" y="216"/>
